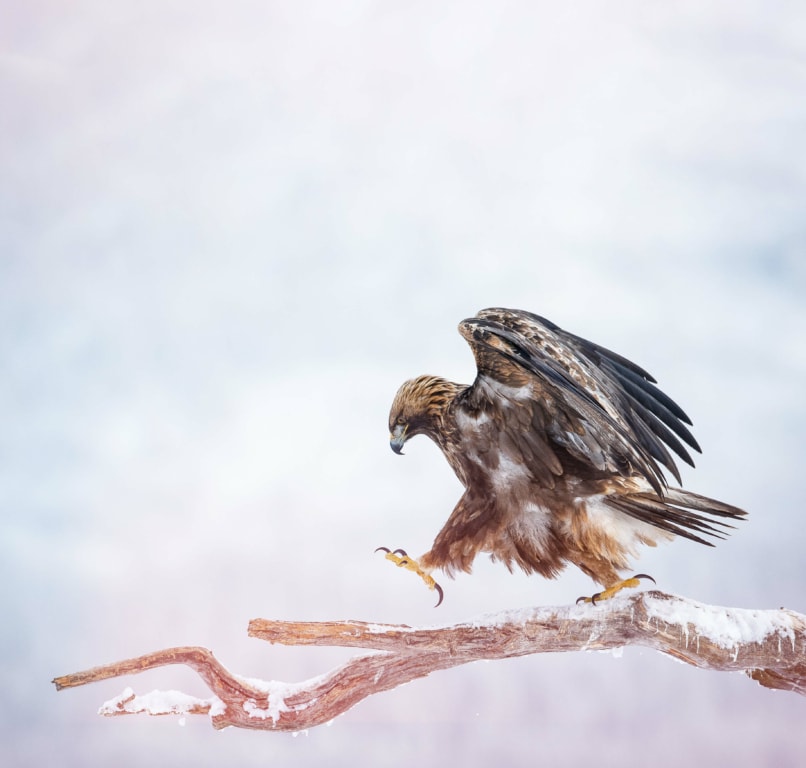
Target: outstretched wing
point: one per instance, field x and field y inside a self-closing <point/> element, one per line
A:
<point x="567" y="392"/>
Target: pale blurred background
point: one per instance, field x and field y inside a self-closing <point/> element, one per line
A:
<point x="229" y="231"/>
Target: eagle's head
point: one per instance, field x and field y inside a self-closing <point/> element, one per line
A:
<point x="418" y="408"/>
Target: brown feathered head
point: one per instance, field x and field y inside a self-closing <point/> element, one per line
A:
<point x="418" y="408"/>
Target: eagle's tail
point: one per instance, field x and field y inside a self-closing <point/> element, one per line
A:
<point x="680" y="512"/>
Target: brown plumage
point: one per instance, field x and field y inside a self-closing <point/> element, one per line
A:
<point x="559" y="444"/>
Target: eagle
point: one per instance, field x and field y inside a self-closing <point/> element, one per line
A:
<point x="561" y="446"/>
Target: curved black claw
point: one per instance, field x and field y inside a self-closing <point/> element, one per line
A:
<point x="440" y="593"/>
<point x="644" y="576"/>
<point x="401" y="552"/>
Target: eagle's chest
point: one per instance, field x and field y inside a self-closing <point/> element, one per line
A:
<point x="485" y="456"/>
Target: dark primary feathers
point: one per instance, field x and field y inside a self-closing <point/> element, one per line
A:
<point x="619" y="395"/>
<point x="560" y="444"/>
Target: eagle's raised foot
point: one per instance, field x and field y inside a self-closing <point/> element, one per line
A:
<point x="402" y="560"/>
<point x="613" y="589"/>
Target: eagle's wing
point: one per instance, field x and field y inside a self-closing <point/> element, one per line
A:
<point x="601" y="408"/>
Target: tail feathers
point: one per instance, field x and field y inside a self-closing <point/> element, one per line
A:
<point x="680" y="512"/>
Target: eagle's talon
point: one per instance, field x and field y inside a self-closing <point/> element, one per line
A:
<point x="401" y="559"/>
<point x="398" y="553"/>
<point x="613" y="589"/>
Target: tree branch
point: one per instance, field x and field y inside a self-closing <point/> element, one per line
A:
<point x="769" y="646"/>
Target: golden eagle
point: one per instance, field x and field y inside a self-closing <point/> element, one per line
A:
<point x="559" y="444"/>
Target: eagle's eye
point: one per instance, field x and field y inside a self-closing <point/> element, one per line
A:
<point x="400" y="420"/>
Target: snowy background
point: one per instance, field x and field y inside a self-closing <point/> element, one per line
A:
<point x="228" y="232"/>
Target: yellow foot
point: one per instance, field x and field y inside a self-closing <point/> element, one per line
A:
<point x="402" y="560"/>
<point x="606" y="594"/>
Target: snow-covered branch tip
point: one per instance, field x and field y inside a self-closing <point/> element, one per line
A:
<point x="767" y="645"/>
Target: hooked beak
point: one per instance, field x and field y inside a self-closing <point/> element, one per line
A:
<point x="398" y="438"/>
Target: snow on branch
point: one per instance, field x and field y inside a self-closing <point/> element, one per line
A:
<point x="767" y="645"/>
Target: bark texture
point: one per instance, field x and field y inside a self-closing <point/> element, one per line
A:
<point x="767" y="645"/>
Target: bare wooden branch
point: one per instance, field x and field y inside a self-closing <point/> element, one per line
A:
<point x="768" y="645"/>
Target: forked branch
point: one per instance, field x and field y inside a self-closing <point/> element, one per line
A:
<point x="769" y="646"/>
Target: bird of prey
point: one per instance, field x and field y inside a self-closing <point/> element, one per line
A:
<point x="559" y="444"/>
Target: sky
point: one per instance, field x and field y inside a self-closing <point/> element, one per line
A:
<point x="229" y="232"/>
